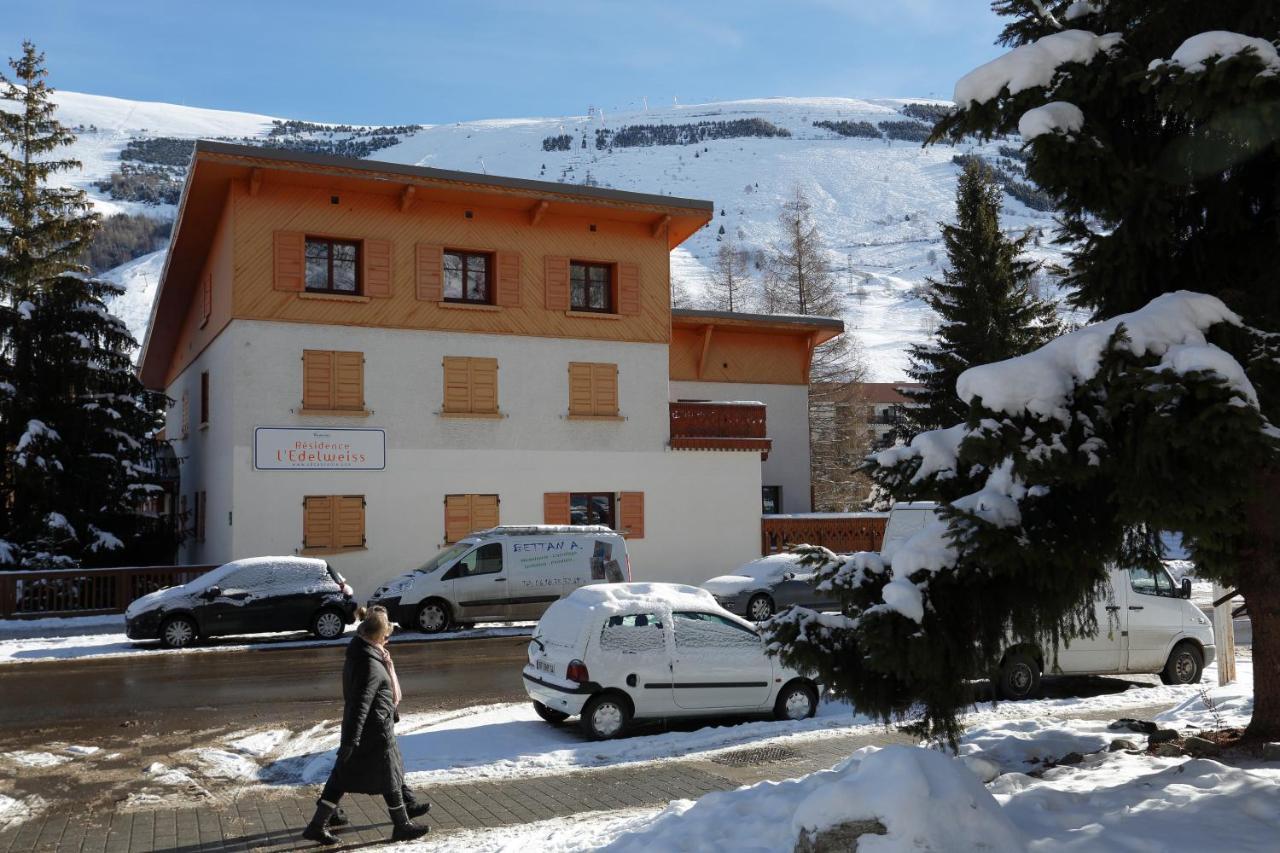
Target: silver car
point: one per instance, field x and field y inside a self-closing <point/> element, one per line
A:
<point x="761" y="588"/>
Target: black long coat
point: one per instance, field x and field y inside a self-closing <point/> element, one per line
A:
<point x="369" y="760"/>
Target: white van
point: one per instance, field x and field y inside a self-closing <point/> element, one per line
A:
<point x="1146" y="624"/>
<point x="504" y="574"/>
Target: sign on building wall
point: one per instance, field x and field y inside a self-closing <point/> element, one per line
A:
<point x="331" y="449"/>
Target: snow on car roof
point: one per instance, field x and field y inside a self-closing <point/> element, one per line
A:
<point x="613" y="598"/>
<point x="543" y="530"/>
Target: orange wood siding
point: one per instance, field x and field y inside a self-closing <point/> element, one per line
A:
<point x="206" y="296"/>
<point x="332" y="380"/>
<point x="631" y="514"/>
<point x="734" y="356"/>
<point x="198" y="329"/>
<point x="465" y="513"/>
<point x="555" y="508"/>
<point x="507" y="280"/>
<point x="429" y="272"/>
<point x="377" y="268"/>
<point x="289" y="261"/>
<point x="628" y="289"/>
<point x="555" y="280"/>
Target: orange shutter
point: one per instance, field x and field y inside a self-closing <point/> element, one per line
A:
<point x="508" y="280"/>
<point x="557" y="283"/>
<point x="349" y="521"/>
<point x="186" y="413"/>
<point x="631" y="514"/>
<point x="604" y="389"/>
<point x="484" y="512"/>
<point x="317" y="379"/>
<point x="628" y="289"/>
<point x="555" y="508"/>
<point x="429" y="272"/>
<point x="457" y="517"/>
<point x="206" y="297"/>
<point x="484" y="384"/>
<point x="457" y="384"/>
<point x="290" y="272"/>
<point x="580" y="402"/>
<point x="348" y="380"/>
<point x="377" y="268"/>
<point x="317" y="522"/>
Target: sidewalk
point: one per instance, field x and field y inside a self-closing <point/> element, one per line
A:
<point x="271" y="822"/>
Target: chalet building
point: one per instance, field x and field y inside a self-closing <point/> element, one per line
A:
<point x="368" y="360"/>
<point x="888" y="410"/>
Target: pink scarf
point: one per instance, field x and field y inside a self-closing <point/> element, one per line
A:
<point x="391" y="670"/>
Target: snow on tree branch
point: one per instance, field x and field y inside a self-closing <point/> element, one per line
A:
<point x="1050" y="118"/>
<point x="1193" y="53"/>
<point x="1031" y="65"/>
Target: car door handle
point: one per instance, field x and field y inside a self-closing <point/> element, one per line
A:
<point x="1113" y="608"/>
<point x="1135" y="607"/>
<point x="499" y="580"/>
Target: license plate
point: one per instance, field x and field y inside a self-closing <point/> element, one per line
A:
<point x="545" y="666"/>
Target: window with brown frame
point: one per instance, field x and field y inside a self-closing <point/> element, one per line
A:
<point x="332" y="266"/>
<point x="592" y="508"/>
<point x="468" y="277"/>
<point x="590" y="287"/>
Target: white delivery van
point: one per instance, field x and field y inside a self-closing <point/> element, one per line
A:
<point x="1146" y="624"/>
<point x="504" y="574"/>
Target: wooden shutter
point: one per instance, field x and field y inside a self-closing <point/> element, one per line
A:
<point x="457" y="517"/>
<point x="317" y="522"/>
<point x="317" y="379"/>
<point x="484" y="512"/>
<point x="290" y="269"/>
<point x="206" y="298"/>
<point x="484" y="385"/>
<point x="429" y="272"/>
<point x="348" y="521"/>
<point x="556" y="284"/>
<point x="580" y="397"/>
<point x="507" y="280"/>
<point x="377" y="268"/>
<point x="631" y="514"/>
<point x="628" y="289"/>
<point x="604" y="389"/>
<point x="348" y="380"/>
<point x="555" y="508"/>
<point x="457" y="384"/>
<point x="186" y="413"/>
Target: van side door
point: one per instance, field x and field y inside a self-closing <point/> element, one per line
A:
<point x="1154" y="611"/>
<point x="480" y="585"/>
<point x="537" y="573"/>
<point x="1103" y="652"/>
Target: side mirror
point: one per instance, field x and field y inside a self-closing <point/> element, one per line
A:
<point x="211" y="593"/>
<point x="789" y="576"/>
<point x="1186" y="587"/>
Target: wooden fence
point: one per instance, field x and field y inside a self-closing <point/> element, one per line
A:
<point x="84" y="592"/>
<point x="843" y="534"/>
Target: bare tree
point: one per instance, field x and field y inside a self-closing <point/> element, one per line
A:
<point x="729" y="287"/>
<point x="797" y="273"/>
<point x="680" y="296"/>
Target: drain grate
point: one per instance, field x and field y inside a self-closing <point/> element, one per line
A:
<point x="756" y="755"/>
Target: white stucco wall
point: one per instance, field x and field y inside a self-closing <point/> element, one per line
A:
<point x="787" y="418"/>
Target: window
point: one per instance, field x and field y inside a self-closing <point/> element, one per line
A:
<point x="332" y="266"/>
<point x="592" y="508"/>
<point x="591" y="287"/>
<point x="198" y="529"/>
<point x="468" y="277"/>
<point x="186" y="414"/>
<point x="465" y="513"/>
<point x="711" y="631"/>
<point x="470" y="386"/>
<point x="332" y="522"/>
<point x="1152" y="582"/>
<point x="593" y="390"/>
<point x="204" y="398"/>
<point x="332" y="381"/>
<point x="485" y="560"/>
<point x="638" y="633"/>
<point x="771" y="499"/>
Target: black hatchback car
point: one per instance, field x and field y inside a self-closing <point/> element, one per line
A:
<point x="253" y="596"/>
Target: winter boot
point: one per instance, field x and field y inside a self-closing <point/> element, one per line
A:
<point x="405" y="829"/>
<point x="339" y="817"/>
<point x="415" y="807"/>
<point x="318" y="829"/>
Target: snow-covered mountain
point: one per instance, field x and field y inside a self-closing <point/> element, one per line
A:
<point x="877" y="200"/>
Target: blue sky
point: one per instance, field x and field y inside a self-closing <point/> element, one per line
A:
<point x="392" y="61"/>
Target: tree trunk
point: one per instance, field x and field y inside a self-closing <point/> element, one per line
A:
<point x="1260" y="584"/>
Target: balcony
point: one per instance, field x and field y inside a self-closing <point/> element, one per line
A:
<point x="719" y="426"/>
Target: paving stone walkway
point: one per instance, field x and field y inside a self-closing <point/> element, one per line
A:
<point x="262" y="820"/>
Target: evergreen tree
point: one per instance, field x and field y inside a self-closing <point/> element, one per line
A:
<point x="984" y="302"/>
<point x="74" y="420"/>
<point x="1158" y="417"/>
<point x="729" y="286"/>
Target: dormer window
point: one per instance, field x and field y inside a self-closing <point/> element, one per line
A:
<point x="333" y="266"/>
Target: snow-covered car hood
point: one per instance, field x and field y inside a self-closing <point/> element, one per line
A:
<point x="731" y="584"/>
<point x="152" y="600"/>
<point x="396" y="585"/>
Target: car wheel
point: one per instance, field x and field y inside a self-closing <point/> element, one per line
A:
<point x="433" y="616"/>
<point x="328" y="625"/>
<point x="1019" y="677"/>
<point x="178" y="632"/>
<point x="605" y="716"/>
<point x="797" y="701"/>
<point x="551" y="715"/>
<point x="759" y="608"/>
<point x="1184" y="666"/>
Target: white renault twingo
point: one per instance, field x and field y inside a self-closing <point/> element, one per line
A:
<point x="612" y="653"/>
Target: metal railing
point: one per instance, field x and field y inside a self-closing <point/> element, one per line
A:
<point x="83" y="592"/>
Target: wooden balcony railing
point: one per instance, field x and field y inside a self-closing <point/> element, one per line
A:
<point x="719" y="426"/>
<point x="842" y="533"/>
<point x="83" y="592"/>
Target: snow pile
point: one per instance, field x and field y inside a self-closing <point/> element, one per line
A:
<point x="1192" y="54"/>
<point x="1030" y="65"/>
<point x="259" y="744"/>
<point x="1172" y="326"/>
<point x="926" y="801"/>
<point x="1053" y="117"/>
<point x="1022" y="745"/>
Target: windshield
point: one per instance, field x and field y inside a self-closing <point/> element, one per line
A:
<point x="448" y="555"/>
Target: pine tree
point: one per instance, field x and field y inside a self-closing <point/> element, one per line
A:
<point x="1076" y="456"/>
<point x="984" y="302"/>
<point x="74" y="420"/>
<point x="729" y="287"/>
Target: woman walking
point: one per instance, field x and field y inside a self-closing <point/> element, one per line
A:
<point x="368" y="758"/>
